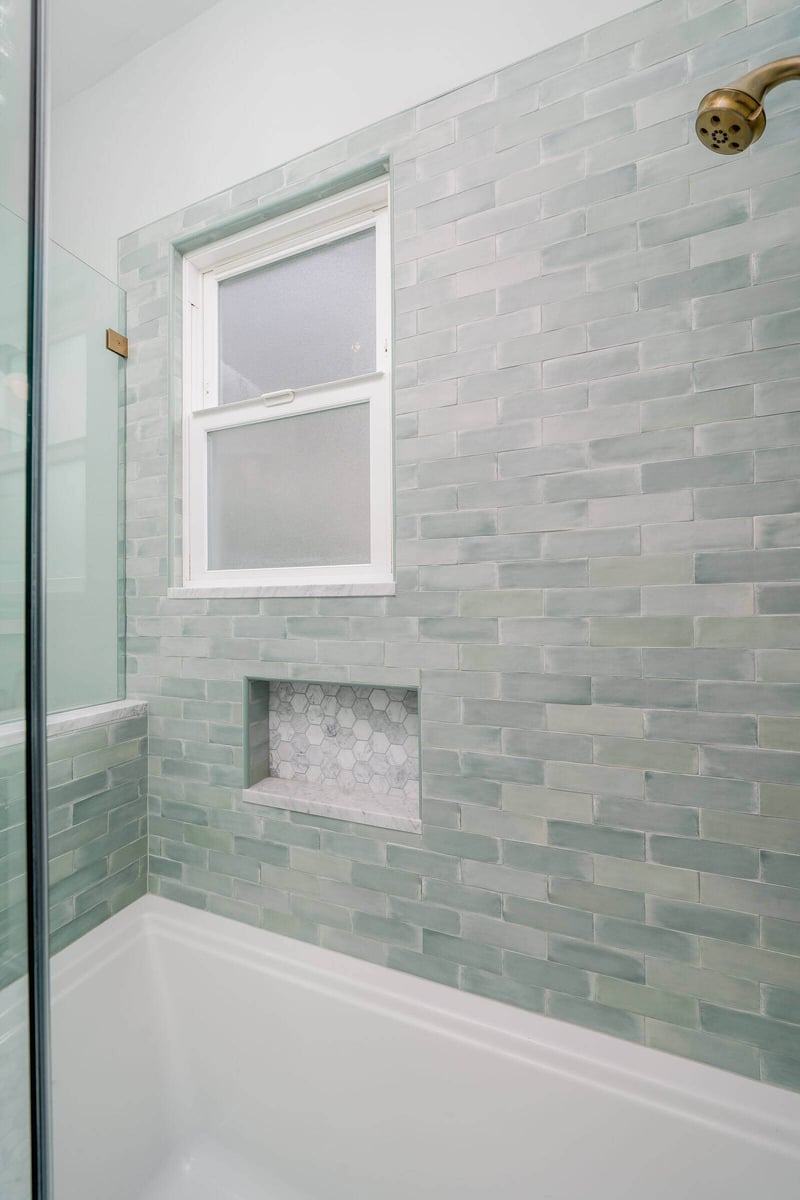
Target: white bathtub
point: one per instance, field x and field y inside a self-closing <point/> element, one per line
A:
<point x="196" y="1057"/>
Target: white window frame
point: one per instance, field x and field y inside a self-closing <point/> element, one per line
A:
<point x="365" y="207"/>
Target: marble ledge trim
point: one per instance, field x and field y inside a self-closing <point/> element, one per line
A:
<point x="359" y="805"/>
<point x="77" y="718"/>
<point x="312" y="589"/>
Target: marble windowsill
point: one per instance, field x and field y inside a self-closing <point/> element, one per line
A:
<point x="380" y="588"/>
<point x="360" y="805"/>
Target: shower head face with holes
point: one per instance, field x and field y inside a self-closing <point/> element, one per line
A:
<point x="728" y="121"/>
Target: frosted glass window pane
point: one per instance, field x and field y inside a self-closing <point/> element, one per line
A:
<point x="298" y="322"/>
<point x="290" y="492"/>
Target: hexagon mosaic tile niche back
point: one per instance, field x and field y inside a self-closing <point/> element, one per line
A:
<point x="343" y="736"/>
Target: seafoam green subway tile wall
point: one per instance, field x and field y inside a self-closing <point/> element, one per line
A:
<point x="98" y="829"/>
<point x="598" y="549"/>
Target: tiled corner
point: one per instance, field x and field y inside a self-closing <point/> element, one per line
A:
<point x="97" y="800"/>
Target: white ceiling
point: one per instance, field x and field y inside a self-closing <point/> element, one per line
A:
<point x="91" y="38"/>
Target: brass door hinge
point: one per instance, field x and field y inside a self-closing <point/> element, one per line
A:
<point x="117" y="342"/>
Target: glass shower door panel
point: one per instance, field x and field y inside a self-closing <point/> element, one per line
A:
<point x="15" y="1147"/>
<point x="14" y="1131"/>
<point x="84" y="477"/>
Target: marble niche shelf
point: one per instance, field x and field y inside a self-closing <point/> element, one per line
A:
<point x="336" y="750"/>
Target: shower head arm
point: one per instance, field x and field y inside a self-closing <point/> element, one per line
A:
<point x="763" y="79"/>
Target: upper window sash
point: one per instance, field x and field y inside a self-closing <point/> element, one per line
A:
<point x="284" y="238"/>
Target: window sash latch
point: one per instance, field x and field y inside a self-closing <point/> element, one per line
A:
<point x="271" y="399"/>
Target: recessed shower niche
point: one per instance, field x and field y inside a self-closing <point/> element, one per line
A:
<point x="336" y="750"/>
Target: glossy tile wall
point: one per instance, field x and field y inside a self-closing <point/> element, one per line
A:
<point x="598" y="548"/>
<point x="98" y="825"/>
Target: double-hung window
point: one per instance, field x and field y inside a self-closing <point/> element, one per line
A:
<point x="287" y="403"/>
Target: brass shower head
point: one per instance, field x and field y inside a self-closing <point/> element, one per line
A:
<point x="730" y="119"/>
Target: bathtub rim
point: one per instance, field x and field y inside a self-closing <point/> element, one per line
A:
<point x="747" y="1109"/>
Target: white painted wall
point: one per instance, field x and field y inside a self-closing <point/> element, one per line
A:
<point x="94" y="38"/>
<point x="250" y="84"/>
